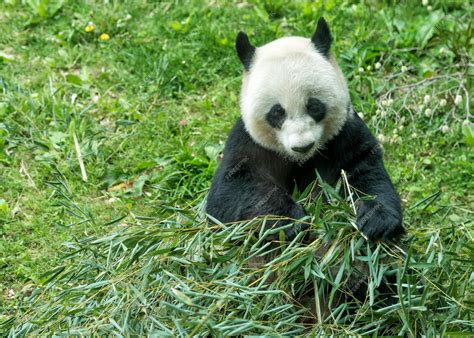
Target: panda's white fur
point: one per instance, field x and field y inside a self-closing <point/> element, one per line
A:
<point x="288" y="71"/>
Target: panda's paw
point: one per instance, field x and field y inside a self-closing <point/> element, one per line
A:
<point x="294" y="214"/>
<point x="297" y="213"/>
<point x="292" y="232"/>
<point x="377" y="221"/>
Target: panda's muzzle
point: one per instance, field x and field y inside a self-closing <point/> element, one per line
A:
<point x="303" y="149"/>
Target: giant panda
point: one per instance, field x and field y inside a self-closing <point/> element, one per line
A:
<point x="296" y="119"/>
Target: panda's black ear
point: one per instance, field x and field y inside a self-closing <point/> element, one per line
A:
<point x="244" y="49"/>
<point x="322" y="38"/>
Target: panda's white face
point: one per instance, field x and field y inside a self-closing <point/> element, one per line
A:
<point x="293" y="99"/>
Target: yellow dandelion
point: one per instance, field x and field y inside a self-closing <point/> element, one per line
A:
<point x="104" y="37"/>
<point x="90" y="27"/>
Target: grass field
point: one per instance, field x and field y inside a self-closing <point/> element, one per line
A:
<point x="113" y="116"/>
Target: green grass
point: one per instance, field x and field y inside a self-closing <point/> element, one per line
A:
<point x="121" y="246"/>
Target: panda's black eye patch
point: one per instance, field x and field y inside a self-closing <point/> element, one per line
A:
<point x="316" y="109"/>
<point x="276" y="116"/>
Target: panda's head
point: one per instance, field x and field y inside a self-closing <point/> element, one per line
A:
<point x="294" y="97"/>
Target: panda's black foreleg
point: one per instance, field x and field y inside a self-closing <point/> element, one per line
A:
<point x="243" y="199"/>
<point x="380" y="218"/>
<point x="265" y="198"/>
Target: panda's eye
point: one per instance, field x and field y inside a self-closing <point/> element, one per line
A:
<point x="316" y="109"/>
<point x="276" y="116"/>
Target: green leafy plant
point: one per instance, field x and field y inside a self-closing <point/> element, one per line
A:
<point x="108" y="147"/>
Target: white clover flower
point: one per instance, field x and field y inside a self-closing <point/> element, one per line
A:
<point x="381" y="138"/>
<point x="414" y="135"/>
<point x="445" y="129"/>
<point x="466" y="122"/>
<point x="378" y="65"/>
<point x="424" y="2"/>
<point x="369" y="68"/>
<point x="404" y="69"/>
<point x="458" y="100"/>
<point x="429" y="8"/>
<point x="400" y="128"/>
<point x="383" y="114"/>
<point x="426" y="99"/>
<point x="389" y="102"/>
<point x="384" y="103"/>
<point x="112" y="200"/>
<point x="428" y="112"/>
<point x="361" y="70"/>
<point x="443" y="102"/>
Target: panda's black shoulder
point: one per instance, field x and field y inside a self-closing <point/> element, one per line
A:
<point x="353" y="131"/>
<point x="243" y="157"/>
<point x="238" y="153"/>
<point x="352" y="143"/>
<point x="239" y="138"/>
<point x="239" y="145"/>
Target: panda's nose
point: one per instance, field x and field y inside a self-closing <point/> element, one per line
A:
<point x="303" y="149"/>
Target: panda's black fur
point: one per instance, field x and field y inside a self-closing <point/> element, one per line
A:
<point x="254" y="181"/>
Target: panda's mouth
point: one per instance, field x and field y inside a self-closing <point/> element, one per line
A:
<point x="302" y="153"/>
<point x="304" y="149"/>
